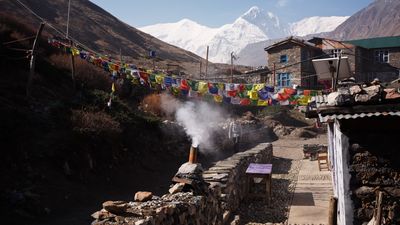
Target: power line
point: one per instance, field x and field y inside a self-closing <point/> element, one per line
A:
<point x="69" y="10"/>
<point x="61" y="33"/>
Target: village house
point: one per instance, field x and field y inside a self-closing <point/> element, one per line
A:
<point x="378" y="58"/>
<point x="258" y="75"/>
<point x="367" y="58"/>
<point x="288" y="60"/>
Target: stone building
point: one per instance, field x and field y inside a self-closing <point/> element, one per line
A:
<point x="258" y="75"/>
<point x="377" y="58"/>
<point x="368" y="59"/>
<point x="288" y="60"/>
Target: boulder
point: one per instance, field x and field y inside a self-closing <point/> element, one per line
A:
<point x="178" y="187"/>
<point x="356" y="89"/>
<point x="369" y="94"/>
<point x="143" y="196"/>
<point x="115" y="207"/>
<point x="190" y="168"/>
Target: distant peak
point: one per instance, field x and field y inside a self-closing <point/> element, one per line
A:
<point x="271" y="15"/>
<point x="253" y="11"/>
<point x="186" y="20"/>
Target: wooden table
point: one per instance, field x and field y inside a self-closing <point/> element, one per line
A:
<point x="256" y="170"/>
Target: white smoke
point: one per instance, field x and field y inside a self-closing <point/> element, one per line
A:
<point x="199" y="119"/>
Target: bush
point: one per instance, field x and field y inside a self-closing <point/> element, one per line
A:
<point x="94" y="123"/>
<point x="152" y="104"/>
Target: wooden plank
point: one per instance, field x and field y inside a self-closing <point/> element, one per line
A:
<point x="379" y="208"/>
<point x="332" y="216"/>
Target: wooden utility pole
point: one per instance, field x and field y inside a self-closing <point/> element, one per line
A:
<point x="72" y="65"/>
<point x="206" y="63"/>
<point x="332" y="69"/>
<point x="337" y="71"/>
<point x="120" y="56"/>
<point x="231" y="67"/>
<point x="332" y="217"/>
<point x="69" y="10"/>
<point x="200" y="69"/>
<point x="378" y="215"/>
<point x="32" y="61"/>
<point x="273" y="82"/>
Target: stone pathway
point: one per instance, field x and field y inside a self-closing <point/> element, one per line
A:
<point x="311" y="197"/>
<point x="299" y="189"/>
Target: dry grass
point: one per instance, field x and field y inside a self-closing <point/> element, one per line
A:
<point x="86" y="74"/>
<point x="94" y="123"/>
<point x="152" y="104"/>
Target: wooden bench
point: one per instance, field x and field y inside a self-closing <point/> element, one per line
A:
<point x="323" y="162"/>
<point x="263" y="171"/>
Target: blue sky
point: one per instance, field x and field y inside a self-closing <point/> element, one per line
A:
<point x="215" y="13"/>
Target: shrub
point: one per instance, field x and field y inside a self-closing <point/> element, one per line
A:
<point x="152" y="104"/>
<point x="94" y="123"/>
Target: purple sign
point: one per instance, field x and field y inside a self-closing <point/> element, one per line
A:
<point x="256" y="168"/>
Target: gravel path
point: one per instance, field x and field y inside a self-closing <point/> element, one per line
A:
<point x="287" y="163"/>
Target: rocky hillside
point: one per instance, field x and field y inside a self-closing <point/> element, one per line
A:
<point x="381" y="18"/>
<point x="99" y="30"/>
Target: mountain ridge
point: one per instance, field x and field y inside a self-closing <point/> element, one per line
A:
<point x="255" y="25"/>
<point x="380" y="18"/>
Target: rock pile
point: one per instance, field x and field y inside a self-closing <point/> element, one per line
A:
<point x="373" y="172"/>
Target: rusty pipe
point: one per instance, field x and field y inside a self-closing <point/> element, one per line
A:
<point x="193" y="155"/>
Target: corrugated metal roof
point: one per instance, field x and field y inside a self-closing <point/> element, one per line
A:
<point x="356" y="115"/>
<point x="380" y="42"/>
<point x="320" y="100"/>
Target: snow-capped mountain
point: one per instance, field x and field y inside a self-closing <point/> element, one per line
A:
<point x="253" y="26"/>
<point x="316" y="24"/>
<point x="186" y="34"/>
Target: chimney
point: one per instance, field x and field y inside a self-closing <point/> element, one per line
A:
<point x="193" y="155"/>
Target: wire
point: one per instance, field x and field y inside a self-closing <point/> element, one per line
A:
<point x="54" y="28"/>
<point x="19" y="40"/>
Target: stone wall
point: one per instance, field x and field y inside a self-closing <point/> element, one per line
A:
<point x="293" y="53"/>
<point x="229" y="174"/>
<point x="227" y="187"/>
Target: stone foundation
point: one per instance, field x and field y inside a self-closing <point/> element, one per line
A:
<point x="227" y="187"/>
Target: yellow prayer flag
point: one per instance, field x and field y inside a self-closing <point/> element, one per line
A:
<point x="159" y="79"/>
<point x="253" y="95"/>
<point x="221" y="86"/>
<point x="218" y="98"/>
<point x="258" y="87"/>
<point x="203" y="87"/>
<point x="75" y="51"/>
<point x="113" y="87"/>
<point x="262" y="102"/>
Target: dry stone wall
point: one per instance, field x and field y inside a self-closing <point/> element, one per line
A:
<point x="227" y="187"/>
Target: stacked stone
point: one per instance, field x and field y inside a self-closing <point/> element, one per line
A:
<point x="180" y="208"/>
<point x="230" y="175"/>
<point x="227" y="188"/>
<point x="373" y="172"/>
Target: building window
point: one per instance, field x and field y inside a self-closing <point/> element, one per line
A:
<point x="336" y="53"/>
<point x="381" y="56"/>
<point x="284" y="58"/>
<point x="283" y="80"/>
